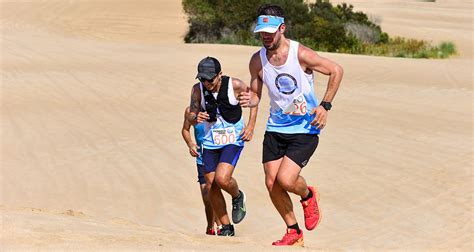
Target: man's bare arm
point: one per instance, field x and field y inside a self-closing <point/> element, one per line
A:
<point x="256" y="82"/>
<point x="247" y="132"/>
<point x="194" y="106"/>
<point x="251" y="124"/>
<point x="310" y="59"/>
<point x="185" y="132"/>
<point x="251" y="98"/>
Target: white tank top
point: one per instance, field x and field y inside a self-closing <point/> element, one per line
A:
<point x="291" y="94"/>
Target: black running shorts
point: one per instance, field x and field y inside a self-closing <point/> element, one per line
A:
<point x="297" y="147"/>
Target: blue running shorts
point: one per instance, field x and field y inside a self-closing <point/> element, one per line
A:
<point x="228" y="154"/>
<point x="201" y="178"/>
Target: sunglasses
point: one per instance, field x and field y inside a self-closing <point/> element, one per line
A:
<point x="203" y="79"/>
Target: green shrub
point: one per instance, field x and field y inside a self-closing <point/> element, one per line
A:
<point x="446" y="49"/>
<point x="318" y="25"/>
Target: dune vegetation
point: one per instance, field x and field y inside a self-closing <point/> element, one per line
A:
<point x="319" y="25"/>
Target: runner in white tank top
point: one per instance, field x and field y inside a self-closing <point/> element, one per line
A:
<point x="295" y="119"/>
<point x="291" y="94"/>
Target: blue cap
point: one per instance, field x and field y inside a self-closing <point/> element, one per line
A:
<point x="268" y="24"/>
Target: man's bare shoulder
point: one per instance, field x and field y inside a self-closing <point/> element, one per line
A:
<point x="255" y="61"/>
<point x="304" y="52"/>
<point x="308" y="57"/>
<point x="238" y="84"/>
<point x="236" y="80"/>
<point x="195" y="98"/>
<point x="197" y="86"/>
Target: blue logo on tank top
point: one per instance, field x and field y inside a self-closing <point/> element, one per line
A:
<point x="286" y="83"/>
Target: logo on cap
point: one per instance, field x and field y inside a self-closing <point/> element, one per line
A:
<point x="265" y="20"/>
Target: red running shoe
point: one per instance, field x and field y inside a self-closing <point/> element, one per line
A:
<point x="312" y="215"/>
<point x="210" y="231"/>
<point x="291" y="238"/>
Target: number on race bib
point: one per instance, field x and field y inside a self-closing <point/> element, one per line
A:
<point x="300" y="109"/>
<point x="297" y="107"/>
<point x="224" y="136"/>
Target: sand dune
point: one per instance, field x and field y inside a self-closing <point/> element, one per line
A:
<point x="92" y="157"/>
<point x="147" y="21"/>
<point x="436" y="22"/>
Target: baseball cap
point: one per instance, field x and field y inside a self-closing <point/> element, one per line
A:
<point x="208" y="68"/>
<point x="268" y="24"/>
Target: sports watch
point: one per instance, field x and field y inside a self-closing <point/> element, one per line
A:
<point x="326" y="105"/>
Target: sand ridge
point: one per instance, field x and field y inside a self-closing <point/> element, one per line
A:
<point x="92" y="94"/>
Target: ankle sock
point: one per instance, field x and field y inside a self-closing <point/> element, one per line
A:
<point x="295" y="227"/>
<point x="310" y="194"/>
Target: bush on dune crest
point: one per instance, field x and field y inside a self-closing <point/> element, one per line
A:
<point x="319" y="25"/>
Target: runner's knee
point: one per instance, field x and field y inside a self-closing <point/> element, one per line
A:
<point x="223" y="180"/>
<point x="270" y="183"/>
<point x="286" y="184"/>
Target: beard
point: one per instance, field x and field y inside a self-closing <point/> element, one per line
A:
<point x="273" y="46"/>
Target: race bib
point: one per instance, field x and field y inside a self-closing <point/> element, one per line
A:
<point x="297" y="107"/>
<point x="224" y="136"/>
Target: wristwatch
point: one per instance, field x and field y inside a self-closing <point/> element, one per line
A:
<point x="326" y="105"/>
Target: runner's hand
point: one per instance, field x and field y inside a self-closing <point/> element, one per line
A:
<point x="244" y="98"/>
<point x="321" y="116"/>
<point x="202" y="117"/>
<point x="247" y="133"/>
<point x="193" y="150"/>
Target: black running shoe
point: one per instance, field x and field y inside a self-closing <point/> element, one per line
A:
<point x="238" y="208"/>
<point x="226" y="230"/>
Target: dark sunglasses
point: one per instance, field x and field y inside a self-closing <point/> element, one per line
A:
<point x="203" y="79"/>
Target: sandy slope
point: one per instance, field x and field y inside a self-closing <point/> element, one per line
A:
<point x="444" y="20"/>
<point x="92" y="158"/>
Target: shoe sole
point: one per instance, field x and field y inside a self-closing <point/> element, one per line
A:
<point x="245" y="213"/>
<point x="298" y="243"/>
<point x="227" y="235"/>
<point x="320" y="214"/>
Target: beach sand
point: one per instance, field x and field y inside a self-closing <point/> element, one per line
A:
<point x="92" y="158"/>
